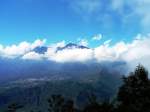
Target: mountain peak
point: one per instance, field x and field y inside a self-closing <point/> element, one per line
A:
<point x="71" y="46"/>
<point x="43" y="49"/>
<point x="40" y="49"/>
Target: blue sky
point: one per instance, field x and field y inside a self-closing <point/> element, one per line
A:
<point x="68" y="20"/>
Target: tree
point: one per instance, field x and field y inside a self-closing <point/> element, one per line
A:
<point x="55" y="103"/>
<point x="134" y="94"/>
<point x="95" y="106"/>
<point x="14" y="107"/>
<point x="58" y="103"/>
<point x="68" y="106"/>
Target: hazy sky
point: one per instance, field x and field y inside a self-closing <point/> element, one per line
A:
<point x="73" y="20"/>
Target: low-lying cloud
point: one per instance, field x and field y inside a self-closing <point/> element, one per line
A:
<point x="21" y="49"/>
<point x="133" y="53"/>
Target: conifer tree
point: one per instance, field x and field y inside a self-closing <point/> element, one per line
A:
<point x="134" y="94"/>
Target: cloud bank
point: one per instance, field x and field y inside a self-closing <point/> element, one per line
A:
<point x="21" y="49"/>
<point x="133" y="53"/>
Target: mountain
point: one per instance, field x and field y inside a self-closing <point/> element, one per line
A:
<point x="32" y="82"/>
<point x="71" y="46"/>
<point x="40" y="50"/>
<point x="43" y="49"/>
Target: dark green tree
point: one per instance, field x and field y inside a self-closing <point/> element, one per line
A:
<point x="56" y="103"/>
<point x="134" y="94"/>
<point x="14" y="107"/>
<point x="68" y="106"/>
<point x="95" y="106"/>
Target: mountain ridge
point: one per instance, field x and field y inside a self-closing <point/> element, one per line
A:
<point x="43" y="49"/>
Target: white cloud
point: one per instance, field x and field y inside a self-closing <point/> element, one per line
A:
<point x="128" y="52"/>
<point x="38" y="42"/>
<point x="58" y="44"/>
<point x="32" y="56"/>
<point x="1" y="48"/>
<point x="16" y="50"/>
<point x="20" y="49"/>
<point x="133" y="53"/>
<point x="104" y="53"/>
<point x="97" y="37"/>
<point x="137" y="49"/>
<point x="83" y="42"/>
<point x="107" y="42"/>
<point x="72" y="55"/>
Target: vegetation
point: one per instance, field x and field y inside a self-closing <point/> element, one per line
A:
<point x="133" y="96"/>
<point x="14" y="107"/>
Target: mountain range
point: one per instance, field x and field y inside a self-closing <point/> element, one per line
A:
<point x="43" y="49"/>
